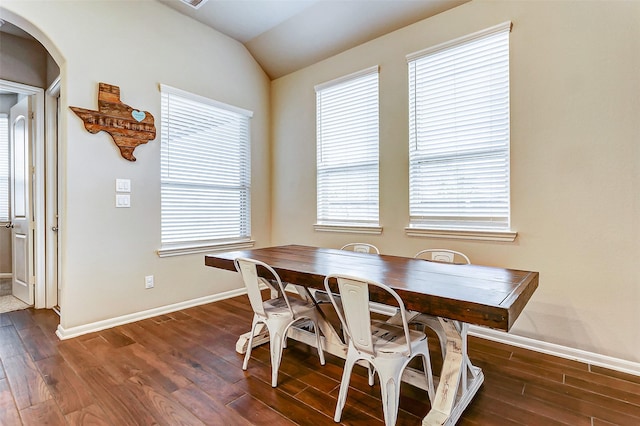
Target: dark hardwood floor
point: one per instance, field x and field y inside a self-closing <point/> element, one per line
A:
<point x="182" y="369"/>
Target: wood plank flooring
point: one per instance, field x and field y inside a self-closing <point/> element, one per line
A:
<point x="182" y="369"/>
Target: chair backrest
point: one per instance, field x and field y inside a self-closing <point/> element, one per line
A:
<point x="248" y="269"/>
<point x="444" y="255"/>
<point x="361" y="248"/>
<point x="354" y="310"/>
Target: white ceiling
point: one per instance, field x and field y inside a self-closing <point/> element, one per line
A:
<point x="287" y="35"/>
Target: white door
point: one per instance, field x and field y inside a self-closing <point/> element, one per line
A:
<point x="21" y="232"/>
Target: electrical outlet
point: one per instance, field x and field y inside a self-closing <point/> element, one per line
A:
<point x="148" y="281"/>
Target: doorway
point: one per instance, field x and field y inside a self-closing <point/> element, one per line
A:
<point x="36" y="267"/>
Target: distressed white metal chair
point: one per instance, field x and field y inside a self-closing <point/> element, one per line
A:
<point x="278" y="314"/>
<point x="361" y="248"/>
<point x="385" y="346"/>
<point x="444" y="255"/>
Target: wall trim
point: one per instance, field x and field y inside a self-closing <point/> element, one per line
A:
<point x="459" y="234"/>
<point x="554" y="349"/>
<point x="590" y="358"/>
<point x="207" y="248"/>
<point x="351" y="229"/>
<point x="68" y="333"/>
<point x="6" y="275"/>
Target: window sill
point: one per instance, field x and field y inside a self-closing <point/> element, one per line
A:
<point x="456" y="234"/>
<point x="204" y="248"/>
<point x="362" y="229"/>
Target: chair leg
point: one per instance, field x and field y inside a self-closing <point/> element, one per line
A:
<point x="426" y="365"/>
<point x="390" y="376"/>
<point x="247" y="354"/>
<point x="276" y="341"/>
<point x="344" y="387"/>
<point x="319" y="342"/>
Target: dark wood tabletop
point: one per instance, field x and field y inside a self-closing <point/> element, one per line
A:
<point x="474" y="294"/>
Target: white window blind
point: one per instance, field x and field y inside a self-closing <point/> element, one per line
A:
<point x="347" y="150"/>
<point x="4" y="168"/>
<point x="459" y="133"/>
<point x="205" y="170"/>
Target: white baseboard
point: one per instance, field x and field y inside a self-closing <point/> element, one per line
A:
<point x="560" y="351"/>
<point x="566" y="352"/>
<point x="68" y="333"/>
<point x="6" y="275"/>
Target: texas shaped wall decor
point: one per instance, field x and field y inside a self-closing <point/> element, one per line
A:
<point x="127" y="126"/>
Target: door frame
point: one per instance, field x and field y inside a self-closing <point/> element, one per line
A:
<point x="38" y="194"/>
<point x="52" y="196"/>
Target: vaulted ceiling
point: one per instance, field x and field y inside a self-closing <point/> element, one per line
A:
<point x="287" y="35"/>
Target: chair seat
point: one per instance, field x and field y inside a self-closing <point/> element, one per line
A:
<point x="390" y="340"/>
<point x="278" y="306"/>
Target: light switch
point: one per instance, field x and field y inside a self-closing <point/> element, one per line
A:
<point x="123" y="200"/>
<point x="123" y="185"/>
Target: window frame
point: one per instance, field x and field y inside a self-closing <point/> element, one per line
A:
<point x="190" y="246"/>
<point x="328" y="219"/>
<point x="421" y="225"/>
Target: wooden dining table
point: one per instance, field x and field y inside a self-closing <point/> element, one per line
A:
<point x="446" y="297"/>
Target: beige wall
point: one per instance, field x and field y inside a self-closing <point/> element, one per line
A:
<point x="23" y="61"/>
<point x="107" y="252"/>
<point x="575" y="114"/>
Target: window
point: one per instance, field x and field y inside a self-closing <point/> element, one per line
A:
<point x="4" y="168"/>
<point x="459" y="133"/>
<point x="347" y="152"/>
<point x="205" y="173"/>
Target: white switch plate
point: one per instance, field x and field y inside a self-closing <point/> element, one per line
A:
<point x="148" y="281"/>
<point x="123" y="200"/>
<point x="123" y="185"/>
